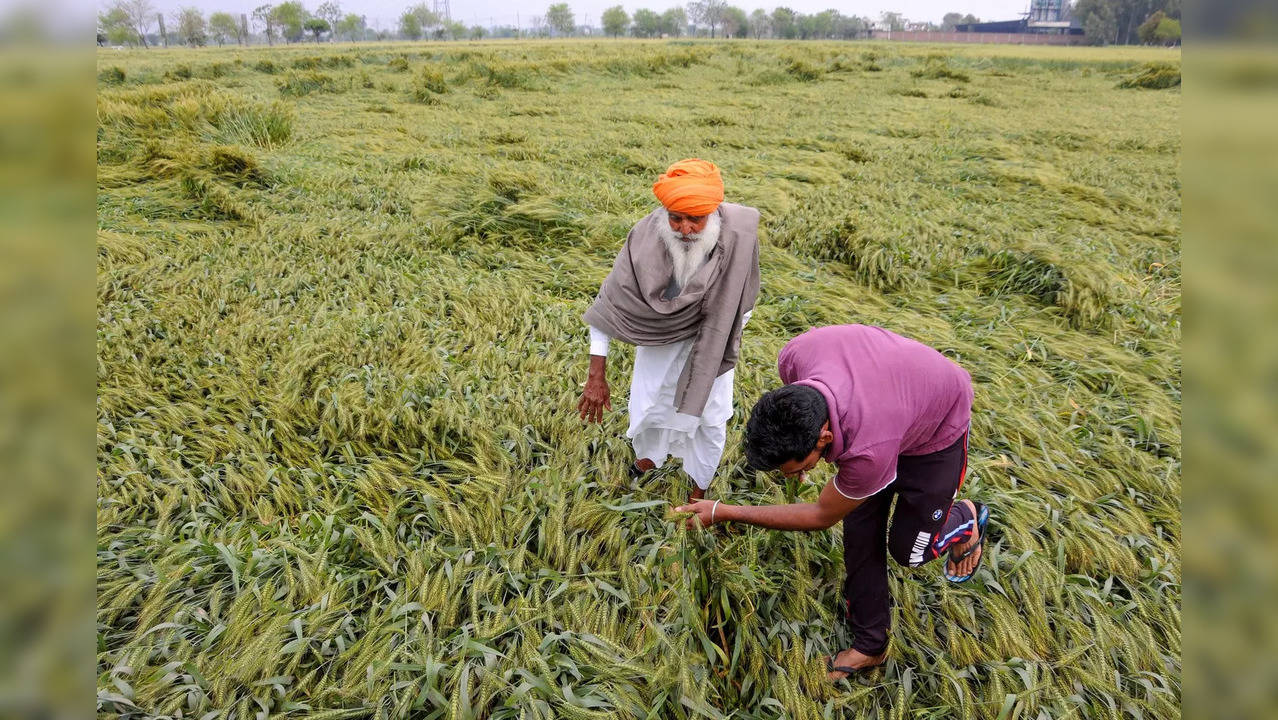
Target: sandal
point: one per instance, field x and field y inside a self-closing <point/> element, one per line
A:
<point x="982" y="519"/>
<point x="850" y="671"/>
<point x="637" y="473"/>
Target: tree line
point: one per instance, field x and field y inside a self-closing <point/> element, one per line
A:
<point x="715" y="18"/>
<point x="1129" y="22"/>
<point x="136" y="22"/>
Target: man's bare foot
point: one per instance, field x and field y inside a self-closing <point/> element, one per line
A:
<point x="967" y="565"/>
<point x="853" y="660"/>
<point x="698" y="493"/>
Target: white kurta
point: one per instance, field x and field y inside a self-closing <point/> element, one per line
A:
<point x="657" y="430"/>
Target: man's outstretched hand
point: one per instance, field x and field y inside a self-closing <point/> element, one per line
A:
<point x="596" y="397"/>
<point x="702" y="510"/>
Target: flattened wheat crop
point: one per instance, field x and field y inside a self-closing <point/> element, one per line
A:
<point x="339" y="348"/>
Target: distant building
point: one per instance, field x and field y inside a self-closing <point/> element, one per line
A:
<point x="1044" y="17"/>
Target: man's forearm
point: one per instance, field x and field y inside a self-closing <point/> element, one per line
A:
<point x="797" y="516"/>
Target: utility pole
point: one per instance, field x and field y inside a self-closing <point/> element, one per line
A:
<point x="163" y="35"/>
<point x="244" y="28"/>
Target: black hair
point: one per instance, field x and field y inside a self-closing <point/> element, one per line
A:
<point x="784" y="425"/>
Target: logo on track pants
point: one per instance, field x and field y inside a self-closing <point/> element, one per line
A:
<point x="920" y="544"/>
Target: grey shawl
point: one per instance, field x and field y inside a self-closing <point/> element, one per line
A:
<point x="632" y="305"/>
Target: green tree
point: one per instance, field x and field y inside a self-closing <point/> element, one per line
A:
<point x="1116" y="21"/>
<point x="290" y="18"/>
<point x="191" y="27"/>
<point x="646" y="23"/>
<point x="1159" y="29"/>
<point x="115" y="25"/>
<point x="735" y="22"/>
<point x="951" y="20"/>
<point x="615" y="20"/>
<point x="1099" y="28"/>
<point x="707" y="13"/>
<point x="455" y="30"/>
<point x="410" y="26"/>
<point x="316" y="26"/>
<point x="332" y="13"/>
<point x="222" y="27"/>
<point x="477" y="32"/>
<point x="805" y="25"/>
<point x="351" y="27"/>
<point x="823" y="23"/>
<point x="264" y="15"/>
<point x="560" y="19"/>
<point x="783" y="23"/>
<point x="850" y="27"/>
<point x="760" y="23"/>
<point x="674" y="21"/>
<point x="1168" y="31"/>
<point x="1097" y="19"/>
<point x="417" y="21"/>
<point x="1131" y="13"/>
<point x="140" y="15"/>
<point x="1146" y="30"/>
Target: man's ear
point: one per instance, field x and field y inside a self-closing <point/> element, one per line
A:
<point x="825" y="438"/>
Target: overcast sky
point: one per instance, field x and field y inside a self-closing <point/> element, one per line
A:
<point x="384" y="13"/>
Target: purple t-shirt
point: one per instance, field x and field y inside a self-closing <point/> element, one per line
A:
<point x="887" y="395"/>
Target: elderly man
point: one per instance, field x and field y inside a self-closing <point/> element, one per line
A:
<point x="893" y="414"/>
<point x="681" y="290"/>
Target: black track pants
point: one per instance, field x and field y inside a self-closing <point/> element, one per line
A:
<point x="925" y="524"/>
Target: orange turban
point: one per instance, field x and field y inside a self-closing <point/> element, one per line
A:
<point x="690" y="186"/>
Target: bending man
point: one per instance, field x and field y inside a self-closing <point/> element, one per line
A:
<point x="893" y="414"/>
<point x="681" y="290"/>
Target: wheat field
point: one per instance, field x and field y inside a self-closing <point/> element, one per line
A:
<point x="340" y="472"/>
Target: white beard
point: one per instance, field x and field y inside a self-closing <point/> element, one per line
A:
<point x="688" y="256"/>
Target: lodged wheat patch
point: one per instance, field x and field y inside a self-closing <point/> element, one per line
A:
<point x="339" y="347"/>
